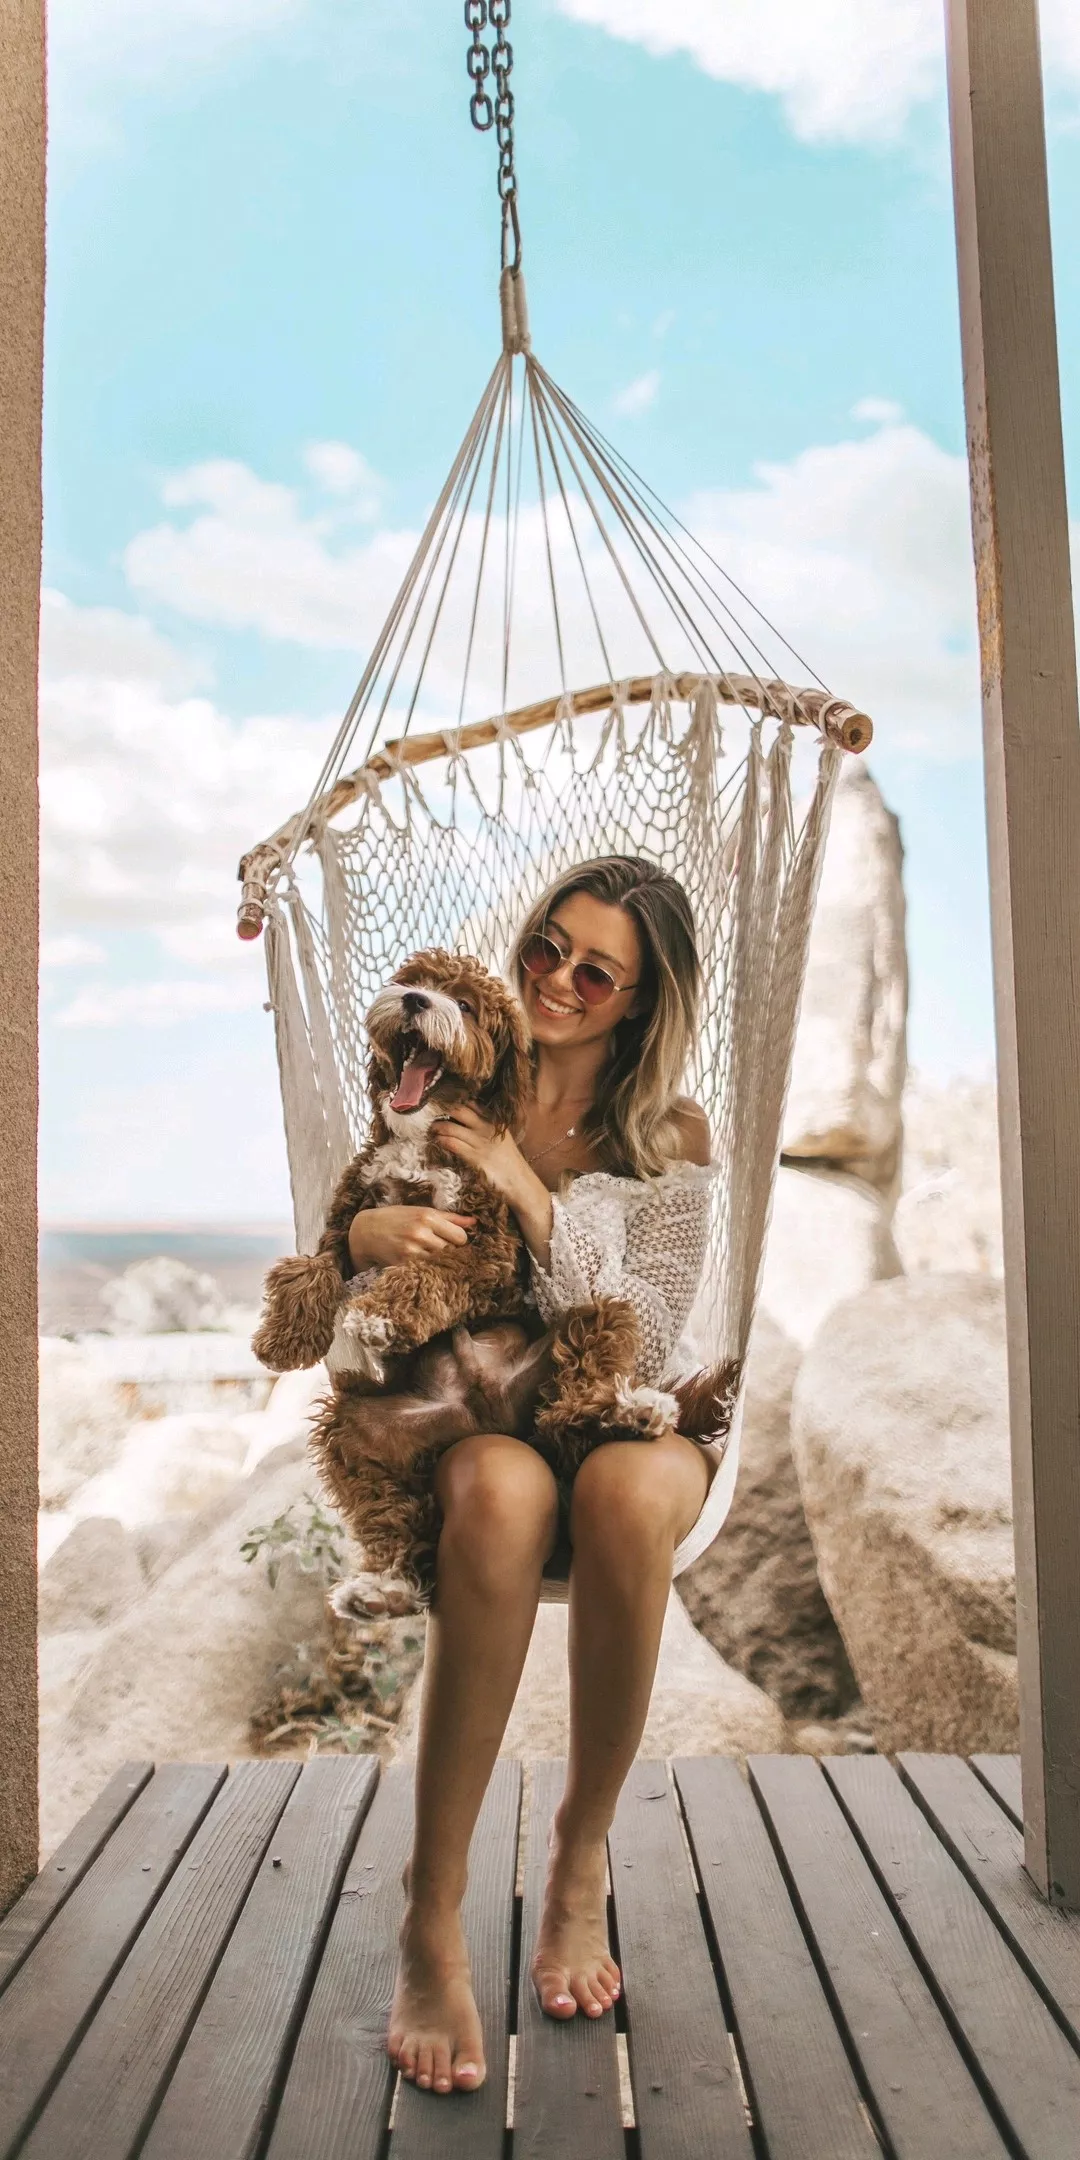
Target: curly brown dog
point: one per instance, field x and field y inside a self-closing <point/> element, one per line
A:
<point x="416" y="1367"/>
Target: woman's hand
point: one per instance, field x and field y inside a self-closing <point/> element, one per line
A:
<point x="470" y="1139"/>
<point x="383" y="1236"/>
<point x="473" y="1141"/>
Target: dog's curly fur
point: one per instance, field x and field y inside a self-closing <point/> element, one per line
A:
<point x="444" y="1351"/>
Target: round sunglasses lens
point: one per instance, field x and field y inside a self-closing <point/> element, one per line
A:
<point x="593" y="986"/>
<point x="540" y="956"/>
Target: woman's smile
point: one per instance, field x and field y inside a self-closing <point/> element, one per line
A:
<point x="552" y="1005"/>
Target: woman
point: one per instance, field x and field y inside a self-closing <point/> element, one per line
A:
<point x="609" y="975"/>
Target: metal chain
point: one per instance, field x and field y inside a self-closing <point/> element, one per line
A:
<point x="481" y="110"/>
<point x="485" y="112"/>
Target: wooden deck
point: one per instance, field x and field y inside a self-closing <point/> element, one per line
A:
<point x="819" y="1964"/>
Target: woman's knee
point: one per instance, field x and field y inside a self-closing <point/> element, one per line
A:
<point x="623" y="1497"/>
<point x="498" y="1498"/>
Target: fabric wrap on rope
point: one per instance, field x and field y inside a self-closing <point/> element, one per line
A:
<point x="311" y="1172"/>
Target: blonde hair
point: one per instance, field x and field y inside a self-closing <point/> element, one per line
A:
<point x="633" y="1118"/>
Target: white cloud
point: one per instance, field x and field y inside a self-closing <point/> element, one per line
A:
<point x="844" y="70"/>
<point x="859" y="551"/>
<point x="141" y="37"/>
<point x="91" y="642"/>
<point x="148" y="798"/>
<point x="158" y="1004"/>
<point x="252" y="558"/>
<point x="879" y="411"/>
<point x="341" y="470"/>
<point x="73" y="951"/>
<point x="200" y="1139"/>
<point x="639" y="394"/>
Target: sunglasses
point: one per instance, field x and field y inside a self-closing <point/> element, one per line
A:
<point x="593" y="985"/>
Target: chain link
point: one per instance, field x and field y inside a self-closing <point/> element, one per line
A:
<point x="477" y="61"/>
<point x="497" y="60"/>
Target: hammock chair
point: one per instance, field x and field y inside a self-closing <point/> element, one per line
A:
<point x="547" y="564"/>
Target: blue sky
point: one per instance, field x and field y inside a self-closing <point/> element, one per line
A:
<point x="272" y="231"/>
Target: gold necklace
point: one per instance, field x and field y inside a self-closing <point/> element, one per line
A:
<point x="551" y="1146"/>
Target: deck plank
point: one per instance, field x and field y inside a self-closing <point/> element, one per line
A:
<point x="27" y="1921"/>
<point x="1001" y="1773"/>
<point x="49" y="2003"/>
<point x="922" y="2091"/>
<point x="802" y="2087"/>
<point x="984" y="1842"/>
<point x="471" y="2126"/>
<point x="1021" y="2053"/>
<point x="225" y="2086"/>
<point x="336" y="2101"/>
<point x="688" y="2102"/>
<point x="566" y="2091"/>
<point x="113" y="2082"/>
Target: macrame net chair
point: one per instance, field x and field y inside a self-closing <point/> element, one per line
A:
<point x="487" y="768"/>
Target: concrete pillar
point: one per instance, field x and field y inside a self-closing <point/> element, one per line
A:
<point x="22" y="278"/>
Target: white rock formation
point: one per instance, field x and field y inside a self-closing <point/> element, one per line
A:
<point x="91" y="1579"/>
<point x="174" y="1466"/>
<point x="900" y="1436"/>
<point x="948" y="1215"/>
<point x="829" y="1239"/>
<point x="82" y="1416"/>
<point x="699" y="1705"/>
<point x="162" y="1296"/>
<point x="850" y="1057"/>
<point x="755" y="1593"/>
<point x="181" y="1671"/>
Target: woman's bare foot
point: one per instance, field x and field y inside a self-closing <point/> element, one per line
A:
<point x="435" y="2037"/>
<point x="572" y="1967"/>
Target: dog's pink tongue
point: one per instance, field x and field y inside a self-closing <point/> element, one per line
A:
<point x="414" y="1077"/>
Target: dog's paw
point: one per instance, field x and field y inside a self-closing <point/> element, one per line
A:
<point x="375" y="1597"/>
<point x="371" y="1335"/>
<point x="646" y="1411"/>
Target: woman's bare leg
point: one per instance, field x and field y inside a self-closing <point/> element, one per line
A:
<point x="500" y="1516"/>
<point x="632" y="1503"/>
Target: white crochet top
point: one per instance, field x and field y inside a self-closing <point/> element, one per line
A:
<point x="642" y="1239"/>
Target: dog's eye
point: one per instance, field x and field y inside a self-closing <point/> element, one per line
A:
<point x="467" y="1008"/>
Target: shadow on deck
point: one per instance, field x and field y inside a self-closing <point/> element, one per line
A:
<point x="821" y="1964"/>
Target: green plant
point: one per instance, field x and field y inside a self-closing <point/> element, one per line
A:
<point x="316" y="1542"/>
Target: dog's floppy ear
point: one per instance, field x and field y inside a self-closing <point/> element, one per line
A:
<point x="507" y="1098"/>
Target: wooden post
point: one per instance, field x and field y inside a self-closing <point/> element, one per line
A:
<point x="1031" y="733"/>
<point x="22" y="270"/>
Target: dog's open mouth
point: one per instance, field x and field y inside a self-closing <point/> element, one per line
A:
<point x="419" y="1073"/>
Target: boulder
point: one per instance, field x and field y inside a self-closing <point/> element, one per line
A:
<point x="162" y="1296"/>
<point x="181" y="1672"/>
<point x="755" y="1593"/>
<point x="169" y="1467"/>
<point x="91" y="1578"/>
<point x="82" y="1419"/>
<point x="900" y="1435"/>
<point x="948" y="1216"/>
<point x="829" y="1239"/>
<point x="850" y="1054"/>
<point x="699" y="1705"/>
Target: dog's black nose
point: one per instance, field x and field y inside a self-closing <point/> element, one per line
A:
<point x="413" y="1002"/>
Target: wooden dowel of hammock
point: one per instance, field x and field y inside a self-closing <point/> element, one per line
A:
<point x="838" y="722"/>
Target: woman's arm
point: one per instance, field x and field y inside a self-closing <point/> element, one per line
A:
<point x="384" y="1236"/>
<point x="642" y="1240"/>
<point x="470" y="1139"/>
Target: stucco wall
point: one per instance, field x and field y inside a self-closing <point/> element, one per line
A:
<point x="22" y="270"/>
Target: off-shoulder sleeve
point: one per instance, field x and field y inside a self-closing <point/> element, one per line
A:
<point x="642" y="1240"/>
